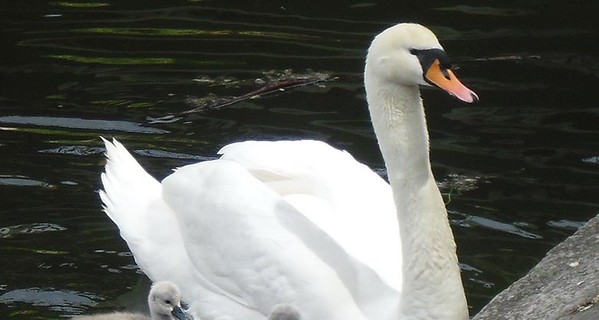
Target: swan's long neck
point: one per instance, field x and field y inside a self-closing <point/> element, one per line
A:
<point x="432" y="287"/>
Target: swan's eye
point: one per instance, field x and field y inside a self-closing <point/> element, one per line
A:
<point x="414" y="51"/>
<point x="167" y="301"/>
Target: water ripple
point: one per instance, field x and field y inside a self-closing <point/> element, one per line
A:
<point x="471" y="221"/>
<point x="66" y="301"/>
<point x="74" y="150"/>
<point x="31" y="228"/>
<point x="78" y="123"/>
<point x="22" y="181"/>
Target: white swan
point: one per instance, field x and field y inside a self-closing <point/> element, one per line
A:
<point x="301" y="223"/>
<point x="164" y="301"/>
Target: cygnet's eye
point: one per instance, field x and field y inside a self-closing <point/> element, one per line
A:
<point x="167" y="301"/>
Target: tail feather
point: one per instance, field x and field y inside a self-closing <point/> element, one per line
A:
<point x="133" y="201"/>
<point x="128" y="190"/>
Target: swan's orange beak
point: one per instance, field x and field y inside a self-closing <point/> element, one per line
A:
<point x="445" y="79"/>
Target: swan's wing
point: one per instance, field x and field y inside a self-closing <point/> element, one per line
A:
<point x="254" y="245"/>
<point x="343" y="197"/>
<point x="133" y="201"/>
<point x="163" y="239"/>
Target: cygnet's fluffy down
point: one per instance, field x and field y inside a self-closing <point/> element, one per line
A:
<point x="284" y="312"/>
<point x="164" y="301"/>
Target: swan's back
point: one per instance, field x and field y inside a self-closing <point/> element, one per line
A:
<point x="253" y="245"/>
<point x="342" y="196"/>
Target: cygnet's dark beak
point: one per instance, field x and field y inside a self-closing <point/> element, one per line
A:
<point x="179" y="314"/>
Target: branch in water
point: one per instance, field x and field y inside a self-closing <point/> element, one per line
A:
<point x="274" y="86"/>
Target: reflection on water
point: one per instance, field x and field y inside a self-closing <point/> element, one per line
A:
<point x="74" y="123"/>
<point x="518" y="171"/>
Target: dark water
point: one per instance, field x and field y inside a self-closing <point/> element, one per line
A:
<point x="519" y="170"/>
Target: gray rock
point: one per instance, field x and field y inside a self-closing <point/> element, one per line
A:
<point x="564" y="285"/>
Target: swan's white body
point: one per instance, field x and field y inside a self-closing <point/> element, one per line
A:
<point x="301" y="223"/>
<point x="237" y="246"/>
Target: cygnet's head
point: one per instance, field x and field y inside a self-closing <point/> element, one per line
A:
<point x="409" y="54"/>
<point x="165" y="301"/>
<point x="284" y="312"/>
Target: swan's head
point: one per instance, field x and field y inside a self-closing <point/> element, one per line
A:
<point x="409" y="54"/>
<point x="165" y="301"/>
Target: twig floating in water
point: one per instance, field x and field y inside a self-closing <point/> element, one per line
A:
<point x="271" y="87"/>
